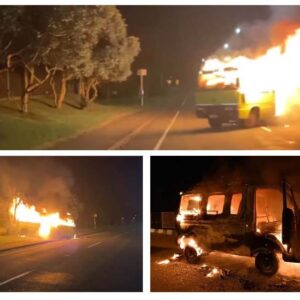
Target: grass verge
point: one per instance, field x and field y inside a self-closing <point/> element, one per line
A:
<point x="45" y="124"/>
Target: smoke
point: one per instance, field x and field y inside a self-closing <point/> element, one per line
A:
<point x="39" y="181"/>
<point x="255" y="170"/>
<point x="258" y="36"/>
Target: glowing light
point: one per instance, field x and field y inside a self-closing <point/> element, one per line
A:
<point x="273" y="71"/>
<point x="24" y="213"/>
<point x="237" y="30"/>
<point x="189" y="242"/>
<point x="164" y="262"/>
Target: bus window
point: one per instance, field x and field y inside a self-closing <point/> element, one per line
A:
<point x="235" y="204"/>
<point x="215" y="204"/>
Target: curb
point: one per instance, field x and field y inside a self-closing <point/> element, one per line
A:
<point x="48" y="145"/>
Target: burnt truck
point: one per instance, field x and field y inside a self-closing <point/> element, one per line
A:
<point x="261" y="221"/>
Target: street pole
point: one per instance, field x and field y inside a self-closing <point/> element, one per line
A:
<point x="142" y="89"/>
<point x="141" y="73"/>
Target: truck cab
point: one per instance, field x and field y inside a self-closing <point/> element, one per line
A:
<point x="251" y="220"/>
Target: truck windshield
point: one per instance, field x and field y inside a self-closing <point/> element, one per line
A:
<point x="190" y="204"/>
<point x="226" y="78"/>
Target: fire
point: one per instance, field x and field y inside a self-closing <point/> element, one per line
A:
<point x="275" y="70"/>
<point x="186" y="209"/>
<point x="24" y="213"/>
<point x="213" y="272"/>
<point x="164" y="262"/>
<point x="189" y="242"/>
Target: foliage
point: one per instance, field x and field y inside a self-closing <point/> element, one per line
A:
<point x="87" y="43"/>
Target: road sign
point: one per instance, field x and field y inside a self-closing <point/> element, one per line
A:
<point x="142" y="72"/>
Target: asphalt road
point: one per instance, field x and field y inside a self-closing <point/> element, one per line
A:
<point x="234" y="273"/>
<point x="176" y="127"/>
<point x="107" y="261"/>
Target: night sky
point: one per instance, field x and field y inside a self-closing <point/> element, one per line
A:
<point x="171" y="175"/>
<point x="109" y="186"/>
<point x="175" y="38"/>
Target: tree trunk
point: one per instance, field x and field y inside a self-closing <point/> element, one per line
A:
<point x="86" y="97"/>
<point x="53" y="86"/>
<point x="24" y="94"/>
<point x="62" y="93"/>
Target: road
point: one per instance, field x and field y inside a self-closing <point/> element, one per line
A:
<point x="106" y="261"/>
<point x="234" y="273"/>
<point x="175" y="127"/>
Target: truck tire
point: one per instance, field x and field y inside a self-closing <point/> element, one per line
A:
<point x="253" y="118"/>
<point x="215" y="123"/>
<point x="191" y="255"/>
<point x="267" y="263"/>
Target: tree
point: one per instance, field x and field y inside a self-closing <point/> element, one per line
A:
<point x="60" y="43"/>
<point x="112" y="56"/>
<point x="88" y="43"/>
<point x="23" y="39"/>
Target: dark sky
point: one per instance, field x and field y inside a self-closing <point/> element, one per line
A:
<point x="171" y="175"/>
<point x="109" y="186"/>
<point x="175" y="38"/>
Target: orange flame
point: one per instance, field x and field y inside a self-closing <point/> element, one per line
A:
<point x="276" y="70"/>
<point x="189" y="242"/>
<point x="24" y="213"/>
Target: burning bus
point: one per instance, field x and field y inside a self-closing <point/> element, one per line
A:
<point x="28" y="220"/>
<point x="243" y="219"/>
<point x="246" y="87"/>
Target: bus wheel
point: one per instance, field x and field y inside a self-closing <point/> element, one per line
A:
<point x="215" y="123"/>
<point x="253" y="118"/>
<point x="267" y="263"/>
<point x="191" y="255"/>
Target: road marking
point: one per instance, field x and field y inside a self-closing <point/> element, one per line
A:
<point x="95" y="244"/>
<point x="128" y="137"/>
<point x="163" y="137"/>
<point x="14" y="278"/>
<point x="266" y="129"/>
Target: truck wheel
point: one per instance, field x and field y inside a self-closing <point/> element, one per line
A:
<point x="253" y="118"/>
<point x="215" y="123"/>
<point x="191" y="255"/>
<point x="267" y="263"/>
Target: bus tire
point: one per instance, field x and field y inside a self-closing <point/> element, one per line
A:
<point x="253" y="118"/>
<point x="191" y="255"/>
<point x="267" y="263"/>
<point x="215" y="123"/>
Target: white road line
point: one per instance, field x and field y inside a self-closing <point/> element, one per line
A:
<point x="266" y="129"/>
<point x="128" y="137"/>
<point x="163" y="137"/>
<point x="95" y="244"/>
<point x="14" y="278"/>
<point x="161" y="140"/>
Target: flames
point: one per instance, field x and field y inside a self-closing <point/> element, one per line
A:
<point x="25" y="213"/>
<point x="275" y="70"/>
<point x="186" y="210"/>
<point x="185" y="241"/>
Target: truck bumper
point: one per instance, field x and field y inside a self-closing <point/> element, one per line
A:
<point x="225" y="113"/>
